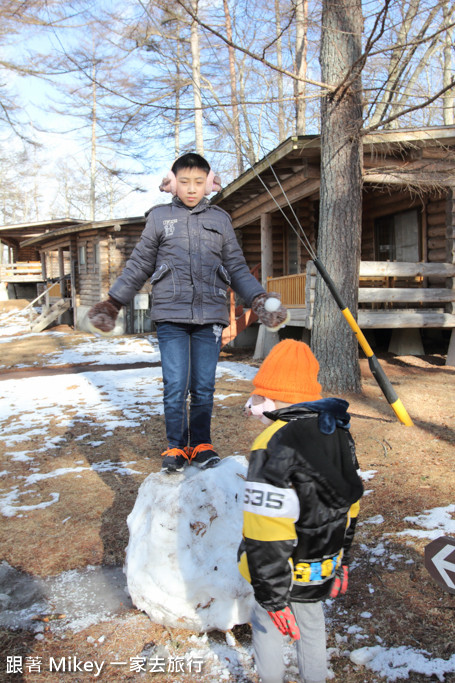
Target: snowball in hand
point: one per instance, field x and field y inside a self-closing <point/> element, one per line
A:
<point x="181" y="559"/>
<point x="272" y="304"/>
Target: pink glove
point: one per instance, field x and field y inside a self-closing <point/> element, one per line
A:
<point x="285" y="622"/>
<point x="102" y="316"/>
<point x="340" y="584"/>
<point x="273" y="319"/>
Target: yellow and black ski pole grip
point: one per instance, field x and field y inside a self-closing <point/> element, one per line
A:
<point x="376" y="369"/>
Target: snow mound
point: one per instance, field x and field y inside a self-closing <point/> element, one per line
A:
<point x="181" y="559"/>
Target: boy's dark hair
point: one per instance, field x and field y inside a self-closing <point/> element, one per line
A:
<point x="190" y="160"/>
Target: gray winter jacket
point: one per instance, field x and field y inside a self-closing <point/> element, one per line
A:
<point x="191" y="256"/>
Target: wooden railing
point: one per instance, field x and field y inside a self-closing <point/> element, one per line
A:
<point x="394" y="282"/>
<point x="391" y="294"/>
<point x="290" y="287"/>
<point x="22" y="271"/>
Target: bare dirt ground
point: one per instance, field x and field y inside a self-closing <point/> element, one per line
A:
<point x="414" y="471"/>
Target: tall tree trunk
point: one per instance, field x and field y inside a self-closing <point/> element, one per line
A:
<point x="233" y="80"/>
<point x="448" y="108"/>
<point x="196" y="72"/>
<point x="177" y="102"/>
<point x="340" y="220"/>
<point x="93" y="147"/>
<point x="279" y="76"/>
<point x="301" y="13"/>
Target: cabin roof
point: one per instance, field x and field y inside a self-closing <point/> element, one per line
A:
<point x="114" y="224"/>
<point x="19" y="231"/>
<point x="385" y="150"/>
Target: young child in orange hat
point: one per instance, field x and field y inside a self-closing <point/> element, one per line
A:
<point x="300" y="510"/>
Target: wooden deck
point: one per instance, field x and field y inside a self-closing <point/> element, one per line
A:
<point x="407" y="298"/>
<point x="28" y="271"/>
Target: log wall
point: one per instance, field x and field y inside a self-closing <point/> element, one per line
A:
<point x="89" y="289"/>
<point x="250" y="237"/>
<point x="432" y="211"/>
<point x="450" y="241"/>
<point x="436" y="229"/>
<point x="92" y="280"/>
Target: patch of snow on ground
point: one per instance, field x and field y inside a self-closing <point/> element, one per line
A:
<point x="14" y="322"/>
<point x="85" y="596"/>
<point x="117" y="397"/>
<point x="435" y="523"/>
<point x="8" y="507"/>
<point x="367" y="475"/>
<point x="236" y="370"/>
<point x="96" y="350"/>
<point x="377" y="519"/>
<point x="398" y="662"/>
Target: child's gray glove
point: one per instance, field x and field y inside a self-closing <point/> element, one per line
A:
<point x="103" y="315"/>
<point x="270" y="310"/>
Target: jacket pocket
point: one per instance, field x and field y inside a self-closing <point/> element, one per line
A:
<point x="164" y="286"/>
<point x="224" y="275"/>
<point x="221" y="281"/>
<point x="211" y="239"/>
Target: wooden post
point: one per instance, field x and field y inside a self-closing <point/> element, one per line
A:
<point x="450" y="360"/>
<point x="266" y="339"/>
<point x="266" y="248"/>
<point x="265" y="342"/>
<point x="43" y="265"/>
<point x="61" y="272"/>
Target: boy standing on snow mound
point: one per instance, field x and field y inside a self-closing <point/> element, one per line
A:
<point x="189" y="250"/>
<point x="300" y="510"/>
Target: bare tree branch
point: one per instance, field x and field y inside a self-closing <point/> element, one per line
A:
<point x="253" y="55"/>
<point x="422" y="105"/>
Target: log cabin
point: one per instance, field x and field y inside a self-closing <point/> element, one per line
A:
<point x="407" y="269"/>
<point x="79" y="261"/>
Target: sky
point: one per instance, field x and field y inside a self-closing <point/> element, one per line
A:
<point x="38" y="96"/>
<point x="63" y="137"/>
<point x="36" y="92"/>
<point x="28" y="405"/>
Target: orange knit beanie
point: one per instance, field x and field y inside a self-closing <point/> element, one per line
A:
<point x="289" y="374"/>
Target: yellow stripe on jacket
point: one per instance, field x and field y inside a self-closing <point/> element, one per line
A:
<point x="270" y="512"/>
<point x="354" y="509"/>
<point x="264" y="437"/>
<point x="263" y="528"/>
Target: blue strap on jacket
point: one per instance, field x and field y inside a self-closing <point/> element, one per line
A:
<point x="332" y="413"/>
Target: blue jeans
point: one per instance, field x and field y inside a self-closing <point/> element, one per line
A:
<point x="189" y="355"/>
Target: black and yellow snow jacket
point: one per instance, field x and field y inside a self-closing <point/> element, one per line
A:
<point x="301" y="503"/>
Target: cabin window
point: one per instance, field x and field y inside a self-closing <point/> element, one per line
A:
<point x="292" y="252"/>
<point x="397" y="237"/>
<point x="82" y="251"/>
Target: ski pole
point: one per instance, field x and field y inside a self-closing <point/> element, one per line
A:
<point x="376" y="369"/>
